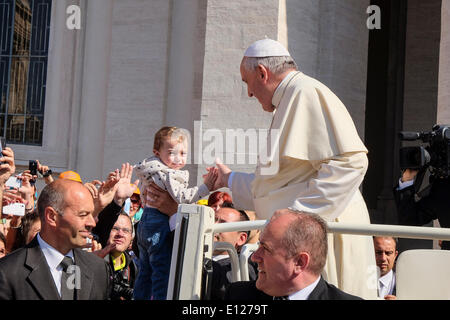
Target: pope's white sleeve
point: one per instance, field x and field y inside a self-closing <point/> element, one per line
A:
<point x="242" y="191"/>
<point x="329" y="192"/>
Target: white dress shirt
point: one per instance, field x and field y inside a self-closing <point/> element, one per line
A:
<point x="305" y="292"/>
<point x="53" y="258"/>
<point x="403" y="185"/>
<point x="386" y="284"/>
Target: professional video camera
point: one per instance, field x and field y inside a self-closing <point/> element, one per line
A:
<point x="436" y="155"/>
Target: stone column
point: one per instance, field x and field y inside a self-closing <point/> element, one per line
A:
<point x="443" y="115"/>
<point x="181" y="64"/>
<point x="443" y="110"/>
<point x="97" y="47"/>
<point x="282" y="24"/>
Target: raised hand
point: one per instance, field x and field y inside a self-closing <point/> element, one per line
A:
<point x="11" y="196"/>
<point x="43" y="169"/>
<point x="125" y="188"/>
<point x="104" y="193"/>
<point x="102" y="253"/>
<point x="27" y="190"/>
<point x="7" y="165"/>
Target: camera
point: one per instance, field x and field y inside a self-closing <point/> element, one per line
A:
<point x="121" y="288"/>
<point x="32" y="166"/>
<point x="16" y="209"/>
<point x="2" y="143"/>
<point x="13" y="183"/>
<point x="435" y="155"/>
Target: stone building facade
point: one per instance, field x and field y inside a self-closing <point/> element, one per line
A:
<point x="136" y="65"/>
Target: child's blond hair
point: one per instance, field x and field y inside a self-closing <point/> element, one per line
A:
<point x="166" y="133"/>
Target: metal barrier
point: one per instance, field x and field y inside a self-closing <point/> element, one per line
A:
<point x="350" y="228"/>
<point x="234" y="258"/>
<point x="246" y="252"/>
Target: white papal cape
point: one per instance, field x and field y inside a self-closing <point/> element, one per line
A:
<point x="315" y="163"/>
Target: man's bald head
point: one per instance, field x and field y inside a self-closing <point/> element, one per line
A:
<point x="55" y="194"/>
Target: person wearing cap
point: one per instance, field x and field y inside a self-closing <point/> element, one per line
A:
<point x="316" y="161"/>
<point x="71" y="175"/>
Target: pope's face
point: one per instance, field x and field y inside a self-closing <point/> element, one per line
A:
<point x="257" y="87"/>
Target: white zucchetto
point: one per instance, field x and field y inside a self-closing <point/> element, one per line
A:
<point x="266" y="48"/>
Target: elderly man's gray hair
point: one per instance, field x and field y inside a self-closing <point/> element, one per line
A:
<point x="276" y="65"/>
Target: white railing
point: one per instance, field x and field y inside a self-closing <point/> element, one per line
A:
<point x="334" y="227"/>
<point x="350" y="228"/>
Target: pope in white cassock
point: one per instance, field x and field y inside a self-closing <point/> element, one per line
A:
<point x="317" y="162"/>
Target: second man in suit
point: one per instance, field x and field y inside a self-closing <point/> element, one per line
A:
<point x="291" y="257"/>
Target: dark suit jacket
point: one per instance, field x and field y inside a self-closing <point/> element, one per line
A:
<point x="25" y="275"/>
<point x="248" y="291"/>
<point x="106" y="220"/>
<point x="221" y="277"/>
<point x="434" y="204"/>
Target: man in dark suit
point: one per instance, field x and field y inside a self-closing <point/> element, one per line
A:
<point x="291" y="256"/>
<point x="53" y="266"/>
<point x="433" y="202"/>
<point x="385" y="255"/>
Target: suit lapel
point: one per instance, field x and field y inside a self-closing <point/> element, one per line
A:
<point x="86" y="277"/>
<point x="320" y="291"/>
<point x="40" y="276"/>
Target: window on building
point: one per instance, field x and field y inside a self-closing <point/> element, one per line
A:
<point x="24" y="38"/>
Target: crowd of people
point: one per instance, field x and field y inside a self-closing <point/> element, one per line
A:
<point x="113" y="239"/>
